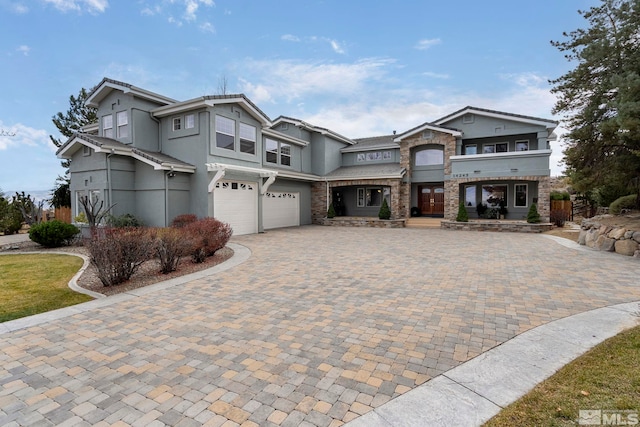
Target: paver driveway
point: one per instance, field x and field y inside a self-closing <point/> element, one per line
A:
<point x="319" y="326"/>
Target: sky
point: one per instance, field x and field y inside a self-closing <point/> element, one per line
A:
<point x="360" y="68"/>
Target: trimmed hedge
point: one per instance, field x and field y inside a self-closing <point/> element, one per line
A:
<point x="625" y="202"/>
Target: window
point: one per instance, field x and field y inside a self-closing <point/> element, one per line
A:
<point x="360" y="157"/>
<point x="521" y="195"/>
<point x="471" y="149"/>
<point x="189" y="121"/>
<point x="285" y="154"/>
<point x="470" y="196"/>
<point x="177" y="123"/>
<point x="386" y="155"/>
<point x="500" y="147"/>
<point x="522" y="145"/>
<point x="271" y="148"/>
<point x="468" y="118"/>
<point x="367" y="197"/>
<point x="122" y="121"/>
<point x="277" y="152"/>
<point x="429" y="157"/>
<point x="225" y="133"/>
<point x="247" y="139"/>
<point x="374" y="155"/>
<point x="86" y="151"/>
<point x="493" y="195"/>
<point x="107" y="126"/>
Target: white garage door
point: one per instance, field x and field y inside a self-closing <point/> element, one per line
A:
<point x="281" y="209"/>
<point x="236" y="203"/>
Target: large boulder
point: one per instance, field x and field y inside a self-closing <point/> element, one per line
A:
<point x="582" y="237"/>
<point x="604" y="243"/>
<point x="636" y="236"/>
<point x="591" y="237"/>
<point x="617" y="233"/>
<point x="626" y="247"/>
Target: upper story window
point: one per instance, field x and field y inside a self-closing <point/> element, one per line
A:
<point x="277" y="152"/>
<point x="225" y="133"/>
<point x="247" y="139"/>
<point x="373" y="156"/>
<point x="471" y="149"/>
<point x="189" y="121"/>
<point x="430" y="157"/>
<point x="122" y="120"/>
<point x="499" y="147"/>
<point x="177" y="123"/>
<point x="107" y="126"/>
<point x="522" y="145"/>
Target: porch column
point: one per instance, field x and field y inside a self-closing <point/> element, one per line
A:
<point x="544" y="198"/>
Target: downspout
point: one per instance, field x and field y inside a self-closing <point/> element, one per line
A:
<point x="109" y="187"/>
<point x="166" y="198"/>
<point x="159" y="131"/>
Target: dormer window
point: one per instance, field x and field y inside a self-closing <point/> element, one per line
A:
<point x="107" y="126"/>
<point x="277" y="152"/>
<point x="122" y="120"/>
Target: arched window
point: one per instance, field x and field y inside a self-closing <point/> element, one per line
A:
<point x="430" y="157"/>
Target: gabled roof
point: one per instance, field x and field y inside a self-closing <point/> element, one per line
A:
<point x="377" y="171"/>
<point x="549" y="124"/>
<point x="101" y="144"/>
<point x="210" y="101"/>
<point x="427" y="126"/>
<point x="107" y="85"/>
<point x="384" y="142"/>
<point x="312" y="128"/>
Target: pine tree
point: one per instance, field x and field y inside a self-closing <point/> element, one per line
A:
<point x="463" y="216"/>
<point x="384" y="212"/>
<point x="600" y="97"/>
<point x="533" y="216"/>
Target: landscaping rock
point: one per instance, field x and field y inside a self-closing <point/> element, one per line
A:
<point x="591" y="237"/>
<point x="629" y="234"/>
<point x="626" y="247"/>
<point x="617" y="233"/>
<point x="582" y="237"/>
<point x="604" y="243"/>
<point x="636" y="254"/>
<point x="636" y="236"/>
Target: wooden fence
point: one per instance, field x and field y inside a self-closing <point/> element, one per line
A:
<point x="63" y="214"/>
<point x="563" y="205"/>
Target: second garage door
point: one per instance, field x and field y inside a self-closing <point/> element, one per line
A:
<point x="236" y="203"/>
<point x="281" y="209"/>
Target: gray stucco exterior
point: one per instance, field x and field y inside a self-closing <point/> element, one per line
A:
<point x="156" y="158"/>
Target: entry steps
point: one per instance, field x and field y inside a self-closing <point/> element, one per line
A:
<point x="423" y="222"/>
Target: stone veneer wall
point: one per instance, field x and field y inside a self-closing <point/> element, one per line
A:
<point x="452" y="189"/>
<point x="319" y="195"/>
<point x="448" y="142"/>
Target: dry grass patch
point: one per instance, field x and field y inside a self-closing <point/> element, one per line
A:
<point x="605" y="378"/>
<point x="36" y="283"/>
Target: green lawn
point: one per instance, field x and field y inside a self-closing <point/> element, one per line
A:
<point x="606" y="378"/>
<point x="36" y="283"/>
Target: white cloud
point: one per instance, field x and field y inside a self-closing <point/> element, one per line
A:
<point x="427" y="43"/>
<point x="292" y="79"/>
<point x="179" y="11"/>
<point x="18" y="8"/>
<point x="290" y="38"/>
<point x="21" y="135"/>
<point x="207" y="27"/>
<point x="24" y="49"/>
<point x="435" y="75"/>
<point x="91" y="6"/>
<point x="336" y="46"/>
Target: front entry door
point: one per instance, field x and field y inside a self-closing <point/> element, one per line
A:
<point x="431" y="199"/>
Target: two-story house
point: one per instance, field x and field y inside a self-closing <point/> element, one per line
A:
<point x="221" y="156"/>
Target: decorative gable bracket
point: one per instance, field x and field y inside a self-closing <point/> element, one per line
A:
<point x="221" y="168"/>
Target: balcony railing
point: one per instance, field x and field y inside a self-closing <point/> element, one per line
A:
<point x="513" y="163"/>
